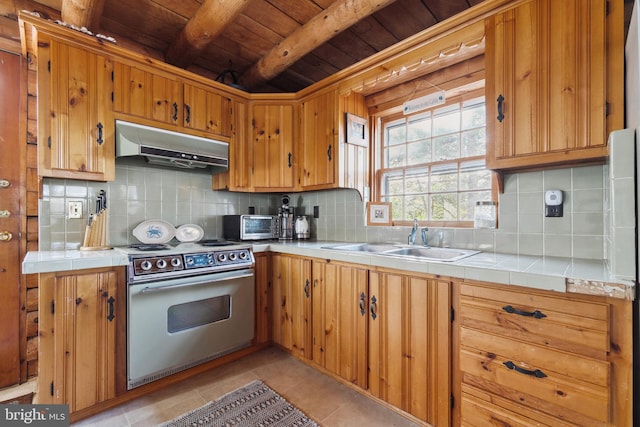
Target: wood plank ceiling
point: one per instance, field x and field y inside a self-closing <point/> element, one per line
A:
<point x="271" y="45"/>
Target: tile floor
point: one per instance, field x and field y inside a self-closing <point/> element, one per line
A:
<point x="325" y="400"/>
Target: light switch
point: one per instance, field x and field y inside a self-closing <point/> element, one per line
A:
<point x="75" y="210"/>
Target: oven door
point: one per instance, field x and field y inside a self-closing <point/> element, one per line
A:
<point x="179" y="323"/>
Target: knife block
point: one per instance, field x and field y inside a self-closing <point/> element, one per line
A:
<point x="96" y="235"/>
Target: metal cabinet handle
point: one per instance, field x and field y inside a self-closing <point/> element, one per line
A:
<point x="5" y="214"/>
<point x="111" y="302"/>
<point x="175" y="112"/>
<point x="329" y="152"/>
<point x="4" y="183"/>
<point x="100" y="140"/>
<point x="289" y="159"/>
<point x="5" y="236"/>
<point x="500" y="114"/>
<point x="361" y="303"/>
<point x="306" y="289"/>
<point x="537" y="313"/>
<point x="535" y="373"/>
<point x="373" y="308"/>
<point x="188" y="109"/>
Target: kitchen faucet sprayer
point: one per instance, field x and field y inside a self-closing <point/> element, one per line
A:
<point x="414" y="231"/>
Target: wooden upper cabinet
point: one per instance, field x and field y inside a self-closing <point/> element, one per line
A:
<point x="546" y="84"/>
<point x="272" y="147"/>
<point x="75" y="126"/>
<point x="144" y="94"/>
<point x="206" y="110"/>
<point x="319" y="141"/>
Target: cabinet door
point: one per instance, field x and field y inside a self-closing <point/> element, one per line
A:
<point x="272" y="133"/>
<point x="78" y="320"/>
<point x="147" y="95"/>
<point x="76" y="131"/>
<point x="263" y="298"/>
<point x="206" y="111"/>
<point x="409" y="344"/>
<point x="340" y="320"/>
<point x="319" y="141"/>
<point x="546" y="83"/>
<point x="292" y="304"/>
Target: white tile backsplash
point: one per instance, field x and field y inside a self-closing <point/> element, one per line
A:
<point x="144" y="192"/>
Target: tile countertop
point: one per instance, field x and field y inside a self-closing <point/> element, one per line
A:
<point x="549" y="273"/>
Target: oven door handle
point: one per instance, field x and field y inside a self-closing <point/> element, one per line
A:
<point x="182" y="285"/>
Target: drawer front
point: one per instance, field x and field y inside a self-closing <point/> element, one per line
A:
<point x="556" y="322"/>
<point x="480" y="409"/>
<point x="553" y="381"/>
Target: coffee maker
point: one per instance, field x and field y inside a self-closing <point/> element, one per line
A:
<point x="286" y="220"/>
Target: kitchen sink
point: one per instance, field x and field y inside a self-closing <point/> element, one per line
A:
<point x="362" y="247"/>
<point x="408" y="252"/>
<point x="439" y="254"/>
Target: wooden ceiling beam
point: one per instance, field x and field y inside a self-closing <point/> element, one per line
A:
<point x="341" y="15"/>
<point x="202" y="29"/>
<point x="82" y="13"/>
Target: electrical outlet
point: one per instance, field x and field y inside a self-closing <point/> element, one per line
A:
<point x="75" y="210"/>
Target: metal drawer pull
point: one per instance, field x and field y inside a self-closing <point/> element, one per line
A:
<point x="5" y="236"/>
<point x="111" y="316"/>
<point x="4" y="183"/>
<point x="363" y="298"/>
<point x="537" y="314"/>
<point x="537" y="373"/>
<point x="100" y="139"/>
<point x="5" y="214"/>
<point x="306" y="289"/>
<point x="373" y="307"/>
<point x="500" y="114"/>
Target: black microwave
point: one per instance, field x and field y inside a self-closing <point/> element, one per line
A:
<point x="250" y="227"/>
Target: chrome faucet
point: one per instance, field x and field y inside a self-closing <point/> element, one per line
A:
<point x="425" y="239"/>
<point x="414" y="231"/>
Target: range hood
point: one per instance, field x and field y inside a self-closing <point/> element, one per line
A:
<point x="167" y="148"/>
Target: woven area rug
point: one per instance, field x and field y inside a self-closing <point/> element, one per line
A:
<point x="252" y="405"/>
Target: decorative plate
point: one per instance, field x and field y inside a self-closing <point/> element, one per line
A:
<point x="189" y="233"/>
<point x="154" y="231"/>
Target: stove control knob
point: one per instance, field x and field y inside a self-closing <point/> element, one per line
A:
<point x="145" y="265"/>
<point x="161" y="263"/>
<point x="244" y="255"/>
<point x="175" y="262"/>
<point x="222" y="257"/>
<point x="232" y="256"/>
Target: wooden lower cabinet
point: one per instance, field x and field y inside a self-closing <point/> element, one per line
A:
<point x="291" y="287"/>
<point x="263" y="298"/>
<point x="410" y="344"/>
<point x="82" y="324"/>
<point x="340" y="320"/>
<point x="530" y="357"/>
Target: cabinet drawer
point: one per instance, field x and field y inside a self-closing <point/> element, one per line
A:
<point x="481" y="409"/>
<point x="556" y="322"/>
<point x="553" y="381"/>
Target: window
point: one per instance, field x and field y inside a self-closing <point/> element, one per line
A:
<point x="433" y="163"/>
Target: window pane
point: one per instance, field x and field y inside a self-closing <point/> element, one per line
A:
<point x="396" y="133"/>
<point x="418" y="152"/>
<point x="474" y="143"/>
<point x="446" y="120"/>
<point x="397" y="207"/>
<point x="473" y="115"/>
<point x="444" y="207"/>
<point x="419" y="127"/>
<point x="417" y="181"/>
<point x="444" y="178"/>
<point x="395" y="156"/>
<point x="392" y="183"/>
<point x="446" y="147"/>
<point x="473" y="175"/>
<point x="416" y="207"/>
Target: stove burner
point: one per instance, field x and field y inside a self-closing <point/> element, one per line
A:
<point x="149" y="247"/>
<point x="214" y="242"/>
